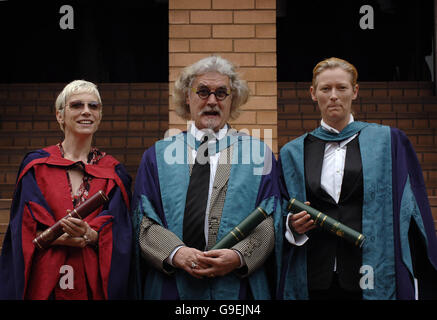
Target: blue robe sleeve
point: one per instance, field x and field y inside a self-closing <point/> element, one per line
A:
<point x="146" y="198"/>
<point x="11" y="258"/>
<point x="122" y="237"/>
<point x="411" y="210"/>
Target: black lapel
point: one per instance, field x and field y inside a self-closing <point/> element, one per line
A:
<point x="352" y="169"/>
<point x="313" y="158"/>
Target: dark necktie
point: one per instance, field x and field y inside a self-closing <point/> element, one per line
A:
<point x="197" y="198"/>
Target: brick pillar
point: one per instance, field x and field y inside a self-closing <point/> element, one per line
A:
<point x="242" y="31"/>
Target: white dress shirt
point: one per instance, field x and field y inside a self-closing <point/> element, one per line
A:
<point x="331" y="178"/>
<point x="333" y="164"/>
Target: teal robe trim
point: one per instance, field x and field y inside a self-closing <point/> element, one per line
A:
<point x="243" y="186"/>
<point x="409" y="211"/>
<point x="347" y="132"/>
<point x="295" y="284"/>
<point x="377" y="214"/>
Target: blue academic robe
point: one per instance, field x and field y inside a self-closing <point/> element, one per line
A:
<point x="160" y="194"/>
<point x="394" y="196"/>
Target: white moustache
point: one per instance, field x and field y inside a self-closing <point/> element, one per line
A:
<point x="210" y="109"/>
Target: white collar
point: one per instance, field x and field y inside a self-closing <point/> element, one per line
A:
<point x="331" y="129"/>
<point x="198" y="134"/>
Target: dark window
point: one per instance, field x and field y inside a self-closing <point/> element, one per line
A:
<point x="399" y="48"/>
<point x="122" y="41"/>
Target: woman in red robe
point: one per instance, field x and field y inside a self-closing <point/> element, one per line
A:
<point x="91" y="259"/>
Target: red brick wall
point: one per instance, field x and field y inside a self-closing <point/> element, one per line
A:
<point x="134" y="117"/>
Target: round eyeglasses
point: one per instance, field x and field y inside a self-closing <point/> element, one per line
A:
<point x="204" y="93"/>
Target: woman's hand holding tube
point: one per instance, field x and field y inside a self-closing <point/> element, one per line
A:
<point x="77" y="233"/>
<point x="301" y="222"/>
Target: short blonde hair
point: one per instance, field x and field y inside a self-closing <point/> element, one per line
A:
<point x="75" y="87"/>
<point x="333" y="63"/>
<point x="239" y="87"/>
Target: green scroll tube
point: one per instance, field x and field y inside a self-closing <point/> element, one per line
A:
<point x="327" y="223"/>
<point x="240" y="232"/>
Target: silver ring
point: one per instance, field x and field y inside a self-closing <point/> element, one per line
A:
<point x="193" y="265"/>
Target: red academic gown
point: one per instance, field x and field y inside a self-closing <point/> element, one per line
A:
<point x="43" y="196"/>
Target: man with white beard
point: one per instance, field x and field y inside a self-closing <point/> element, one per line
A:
<point x="185" y="201"/>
